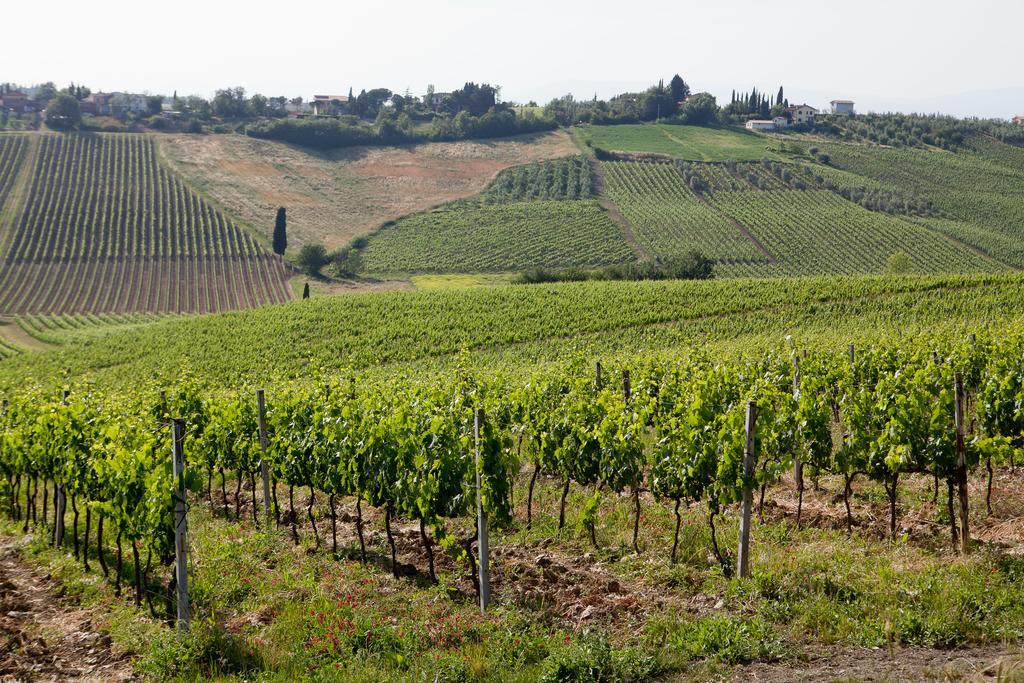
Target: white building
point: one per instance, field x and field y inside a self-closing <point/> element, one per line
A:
<point x="329" y="105"/>
<point x="843" y="107"/>
<point x="1018" y="120"/>
<point x="800" y="114"/>
<point x="760" y="125"/>
<point x="781" y="122"/>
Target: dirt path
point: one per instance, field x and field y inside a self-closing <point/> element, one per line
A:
<point x="12" y="332"/>
<point x="616" y="215"/>
<point x="871" y="664"/>
<point x="46" y="638"/>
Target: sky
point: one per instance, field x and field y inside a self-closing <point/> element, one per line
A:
<point x="886" y="54"/>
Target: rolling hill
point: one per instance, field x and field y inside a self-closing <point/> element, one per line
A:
<point x="757" y="205"/>
<point x="97" y="224"/>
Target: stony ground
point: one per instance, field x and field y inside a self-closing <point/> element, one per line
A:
<point x="45" y="636"/>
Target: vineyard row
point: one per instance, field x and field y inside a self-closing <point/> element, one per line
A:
<point x="693" y="430"/>
<point x="135" y="285"/>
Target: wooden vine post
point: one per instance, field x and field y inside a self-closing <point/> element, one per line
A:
<point x="180" y="523"/>
<point x="961" y="465"/>
<point x="261" y="405"/>
<point x="798" y="465"/>
<point x="743" y="557"/>
<point x="60" y="504"/>
<point x="481" y="519"/>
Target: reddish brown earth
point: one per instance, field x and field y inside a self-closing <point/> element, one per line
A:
<point x="44" y="635"/>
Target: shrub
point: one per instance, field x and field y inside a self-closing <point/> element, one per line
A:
<point x="899" y="263"/>
<point x="593" y="660"/>
<point x="311" y="258"/>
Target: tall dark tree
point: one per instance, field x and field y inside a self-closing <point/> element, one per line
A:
<point x="780" y="98"/>
<point x="680" y="90"/>
<point x="280" y="232"/>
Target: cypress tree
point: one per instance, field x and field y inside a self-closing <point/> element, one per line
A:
<point x="280" y="233"/>
<point x="780" y="98"/>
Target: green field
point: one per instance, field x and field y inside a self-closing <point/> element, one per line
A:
<point x="514" y="325"/>
<point x="693" y="143"/>
<point x="63" y="329"/>
<point x="296" y="602"/>
<point x="814" y="232"/>
<point x="464" y="238"/>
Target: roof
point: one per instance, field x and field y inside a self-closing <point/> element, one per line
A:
<point x="762" y="121"/>
<point x="331" y="98"/>
<point x="801" y="106"/>
<point x="841" y="102"/>
<point x="14" y="93"/>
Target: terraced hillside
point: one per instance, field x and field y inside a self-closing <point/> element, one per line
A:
<point x="980" y="189"/>
<point x="333" y="197"/>
<point x="758" y="206"/>
<point x="100" y="225"/>
<point x="538" y="215"/>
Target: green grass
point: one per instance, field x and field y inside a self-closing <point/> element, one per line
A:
<point x="67" y="328"/>
<point x="460" y="280"/>
<point x="693" y="143"/>
<point x="466" y="237"/>
<point x="266" y="609"/>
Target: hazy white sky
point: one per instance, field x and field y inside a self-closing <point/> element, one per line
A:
<point x="891" y="50"/>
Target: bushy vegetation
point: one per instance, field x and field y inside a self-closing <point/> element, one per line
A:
<point x="692" y="266"/>
<point x="916" y="130"/>
<point x="332" y="133"/>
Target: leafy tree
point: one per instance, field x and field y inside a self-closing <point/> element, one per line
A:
<point x="280" y="232"/>
<point x="258" y="105"/>
<point x="312" y="257"/>
<point x="701" y="110"/>
<point x="680" y="90"/>
<point x="63" y="112"/>
<point x="45" y="93"/>
<point x="154" y="104"/>
<point x="230" y="103"/>
<point x="899" y="263"/>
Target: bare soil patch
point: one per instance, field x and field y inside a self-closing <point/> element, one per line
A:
<point x="873" y="664"/>
<point x="13" y="333"/>
<point x="332" y="197"/>
<point x="45" y="636"/>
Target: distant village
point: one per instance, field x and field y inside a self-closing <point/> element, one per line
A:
<point x="800" y="114"/>
<point x="23" y="101"/>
